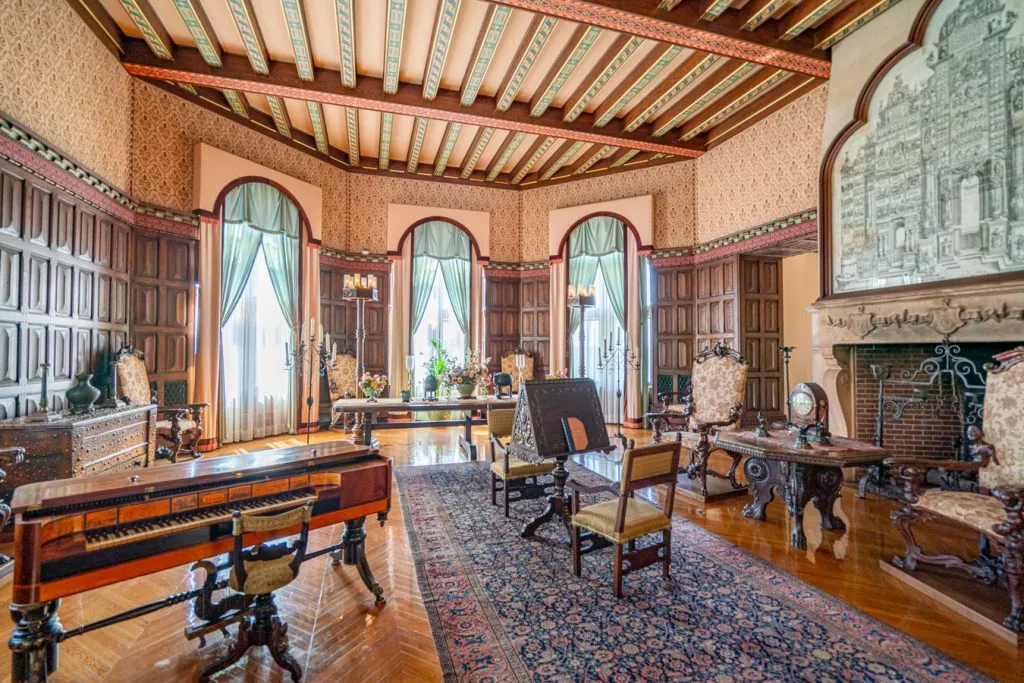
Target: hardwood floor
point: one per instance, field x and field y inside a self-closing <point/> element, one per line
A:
<point x="338" y="634"/>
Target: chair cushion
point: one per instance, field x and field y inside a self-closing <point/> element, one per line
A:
<point x="641" y="519"/>
<point x="519" y="469"/>
<point x="164" y="426"/>
<point x="262" y="577"/>
<point x="1004" y="402"/>
<point x="975" y="510"/>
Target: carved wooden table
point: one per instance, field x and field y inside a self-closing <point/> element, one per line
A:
<point x="801" y="474"/>
<point x="362" y="433"/>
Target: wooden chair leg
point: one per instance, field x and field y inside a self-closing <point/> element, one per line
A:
<point x="235" y="652"/>
<point x="617" y="571"/>
<point x="507" y="481"/>
<point x="577" y="555"/>
<point x="666" y="563"/>
<point x="494" y="489"/>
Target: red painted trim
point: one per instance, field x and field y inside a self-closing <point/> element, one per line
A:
<point x="472" y="240"/>
<point x="915" y="40"/>
<point x="218" y="205"/>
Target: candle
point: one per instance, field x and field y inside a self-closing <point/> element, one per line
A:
<point x="570" y="291"/>
<point x="334" y="351"/>
<point x="373" y="282"/>
<point x="327" y="340"/>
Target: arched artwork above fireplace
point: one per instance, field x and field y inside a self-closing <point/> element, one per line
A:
<point x="927" y="184"/>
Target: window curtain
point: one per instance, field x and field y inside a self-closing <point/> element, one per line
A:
<point x="439" y="244"/>
<point x="598" y="243"/>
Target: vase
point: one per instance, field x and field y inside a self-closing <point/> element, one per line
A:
<point x="371" y="395"/>
<point x="406" y="395"/>
<point x="83" y="395"/>
<point x="465" y="390"/>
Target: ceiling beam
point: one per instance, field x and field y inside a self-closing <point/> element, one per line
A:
<point x="295" y="22"/>
<point x="673" y="84"/>
<point x="419" y="131"/>
<point x="280" y="115"/>
<point x="326" y="88"/>
<point x="757" y="12"/>
<point x="102" y="24"/>
<point x="532" y="156"/>
<point x="593" y="155"/>
<point x="152" y="29"/>
<point x="352" y="132"/>
<point x="199" y="26"/>
<point x="476" y="149"/>
<point x="444" y="152"/>
<point x="804" y="16"/>
<point x="613" y="60"/>
<point x="849" y="20"/>
<point x="637" y="79"/>
<point x="494" y="26"/>
<point x="444" y="25"/>
<point x="764" y="106"/>
<point x="387" y="124"/>
<point x="723" y="78"/>
<point x="682" y="26"/>
<point x="343" y="10"/>
<point x="508" y="147"/>
<point x="316" y="119"/>
<point x="252" y="38"/>
<point x="237" y="102"/>
<point x="573" y="52"/>
<point x="712" y="9"/>
<point x="529" y="47"/>
<point x="746" y="92"/>
<point x="393" y="44"/>
<point x="621" y="157"/>
<point x="560" y="158"/>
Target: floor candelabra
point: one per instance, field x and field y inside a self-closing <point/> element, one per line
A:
<point x="313" y="348"/>
<point x="582" y="299"/>
<point x="618" y="357"/>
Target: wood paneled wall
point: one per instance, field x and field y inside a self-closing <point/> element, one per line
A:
<point x="761" y="334"/>
<point x="535" y="321"/>
<point x="164" y="277"/>
<point x="673" y="327"/>
<point x="715" y="303"/>
<point x="503" y="319"/>
<point x="63" y="289"/>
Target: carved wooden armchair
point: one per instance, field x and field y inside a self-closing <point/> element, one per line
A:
<point x="178" y="428"/>
<point x="509" y="474"/>
<point x="508" y="364"/>
<point x="997" y="510"/>
<point x="341" y="382"/>
<point x="256" y="573"/>
<point x="715" y="401"/>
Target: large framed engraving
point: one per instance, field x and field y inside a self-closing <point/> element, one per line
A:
<point x="926" y="185"/>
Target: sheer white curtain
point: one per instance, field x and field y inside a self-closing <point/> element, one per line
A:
<point x="438" y="322"/>
<point x="601" y="325"/>
<point x="257" y="389"/>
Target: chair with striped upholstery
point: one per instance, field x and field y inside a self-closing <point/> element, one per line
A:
<point x="516" y="476"/>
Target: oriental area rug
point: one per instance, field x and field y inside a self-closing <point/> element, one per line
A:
<point x="503" y="608"/>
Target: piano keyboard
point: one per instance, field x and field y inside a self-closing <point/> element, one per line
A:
<point x="130" y="533"/>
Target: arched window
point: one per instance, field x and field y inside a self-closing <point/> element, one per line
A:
<point x="597" y="257"/>
<point x="440" y="306"/>
<point x="259" y="311"/>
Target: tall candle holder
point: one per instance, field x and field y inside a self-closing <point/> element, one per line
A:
<point x="313" y="347"/>
<point x="582" y="298"/>
<point x="786" y="352"/>
<point x="611" y="353"/>
<point x="42" y="413"/>
<point x="360" y="289"/>
<point x="520" y="366"/>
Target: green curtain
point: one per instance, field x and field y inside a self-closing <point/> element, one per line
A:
<point x="439" y="244"/>
<point x="598" y="243"/>
<point x="645" y="357"/>
<point x="239" y="248"/>
<point x="256" y="213"/>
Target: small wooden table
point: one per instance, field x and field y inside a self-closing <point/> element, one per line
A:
<point x="801" y="474"/>
<point x="362" y="432"/>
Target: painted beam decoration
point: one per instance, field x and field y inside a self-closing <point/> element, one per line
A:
<point x="447" y="13"/>
<point x="237" y="102"/>
<point x="295" y="20"/>
<point x="245" y="21"/>
<point x="393" y="44"/>
<point x="199" y="28"/>
<point x="505" y="152"/>
<point x="451" y="134"/>
<point x="495" y="22"/>
<point x="738" y="97"/>
<point x="573" y="53"/>
<point x="352" y="132"/>
<point x="927" y="190"/>
<point x="533" y="155"/>
<point x="620" y="51"/>
<point x="483" y="136"/>
<point x="849" y="20"/>
<point x="530" y="48"/>
<point x="280" y="115"/>
<point x="644" y="73"/>
<point x="723" y="79"/>
<point x="387" y="123"/>
<point x="412" y="159"/>
<point x="346" y="41"/>
<point x="675" y="83"/>
<point x="153" y="32"/>
<point x="316" y="119"/>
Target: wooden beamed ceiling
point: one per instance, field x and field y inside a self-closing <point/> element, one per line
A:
<point x="516" y="93"/>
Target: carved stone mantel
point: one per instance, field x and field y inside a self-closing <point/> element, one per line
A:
<point x="965" y="313"/>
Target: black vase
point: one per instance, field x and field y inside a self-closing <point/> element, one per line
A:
<point x="430" y="383"/>
<point x="83" y="395"/>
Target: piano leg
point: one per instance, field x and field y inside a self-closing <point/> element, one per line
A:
<point x="354" y="553"/>
<point x="34" y="641"/>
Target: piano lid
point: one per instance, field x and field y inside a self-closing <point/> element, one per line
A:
<point x="538" y="432"/>
<point x="45" y="495"/>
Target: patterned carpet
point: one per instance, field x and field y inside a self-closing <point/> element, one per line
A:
<point x="507" y="609"/>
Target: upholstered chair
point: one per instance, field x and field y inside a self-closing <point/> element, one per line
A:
<point x="179" y="428"/>
<point x="996" y="510"/>
<point x="257" y="572"/>
<point x="620" y="522"/>
<point x="341" y="382"/>
<point x="509" y="474"/>
<point x="715" y="401"/>
<point x="508" y="364"/>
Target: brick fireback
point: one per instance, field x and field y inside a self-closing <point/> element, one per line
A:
<point x="925" y="430"/>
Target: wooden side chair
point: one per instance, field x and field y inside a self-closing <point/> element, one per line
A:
<point x="996" y="511"/>
<point x="620" y="522"/>
<point x="515" y="475"/>
<point x="179" y="428"/>
<point x="715" y="401"/>
<point x="257" y="572"/>
<point x="341" y="382"/>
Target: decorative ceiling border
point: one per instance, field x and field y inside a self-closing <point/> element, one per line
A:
<point x="26" y="150"/>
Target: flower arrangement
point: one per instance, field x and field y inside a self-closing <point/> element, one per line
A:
<point x="465" y="378"/>
<point x="372" y="385"/>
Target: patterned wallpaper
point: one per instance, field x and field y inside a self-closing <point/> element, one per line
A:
<point x="672" y="186"/>
<point x="369" y="196"/>
<point x="66" y="87"/>
<point x="165" y="129"/>
<point x="766" y="172"/>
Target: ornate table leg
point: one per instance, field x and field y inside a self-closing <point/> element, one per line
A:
<point x="559" y="504"/>
<point x="466" y="440"/>
<point x="761" y="476"/>
<point x="362" y="431"/>
<point x="825" y="486"/>
<point x="34" y="641"/>
<point x="354" y="553"/>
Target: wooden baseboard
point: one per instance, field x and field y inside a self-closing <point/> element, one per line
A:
<point x="985" y="605"/>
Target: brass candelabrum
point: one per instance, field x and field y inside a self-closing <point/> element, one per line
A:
<point x="312" y="348"/>
<point x="611" y="353"/>
<point x="359" y="289"/>
<point x="582" y="298"/>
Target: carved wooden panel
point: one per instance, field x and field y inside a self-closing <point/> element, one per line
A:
<point x="535" y="321"/>
<point x="164" y="274"/>
<point x="673" y="304"/>
<point x="715" y="311"/>
<point x="104" y="241"/>
<point x="502" y="327"/>
<point x="761" y="335"/>
<point x="56" y="305"/>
